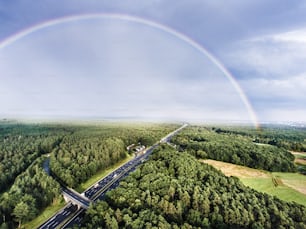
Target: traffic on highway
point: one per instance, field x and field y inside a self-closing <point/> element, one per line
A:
<point x="60" y="216"/>
<point x="111" y="181"/>
<point x="98" y="190"/>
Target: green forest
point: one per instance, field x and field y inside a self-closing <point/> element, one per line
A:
<point x="287" y="137"/>
<point x="90" y="149"/>
<point x="174" y="190"/>
<point x="238" y="147"/>
<point x="21" y="144"/>
<point x="32" y="191"/>
<point x="77" y="151"/>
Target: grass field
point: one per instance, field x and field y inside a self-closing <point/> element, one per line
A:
<point x="285" y="186"/>
<point x="293" y="180"/>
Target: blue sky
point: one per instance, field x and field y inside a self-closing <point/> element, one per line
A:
<point x="117" y="68"/>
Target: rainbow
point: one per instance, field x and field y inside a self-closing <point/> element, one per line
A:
<point x="21" y="34"/>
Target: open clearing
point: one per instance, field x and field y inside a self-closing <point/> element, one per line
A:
<point x="300" y="161"/>
<point x="300" y="157"/>
<point x="298" y="153"/>
<point x="293" y="180"/>
<point x="286" y="186"/>
<point x="237" y="170"/>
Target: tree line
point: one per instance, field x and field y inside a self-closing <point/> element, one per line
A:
<point x="78" y="158"/>
<point x="77" y="151"/>
<point x="204" y="142"/>
<point x="175" y="190"/>
<point x="21" y="144"/>
<point x="92" y="148"/>
<point x="284" y="136"/>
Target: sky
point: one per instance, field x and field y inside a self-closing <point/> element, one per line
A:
<point x="154" y="59"/>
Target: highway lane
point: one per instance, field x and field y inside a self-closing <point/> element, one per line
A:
<point x="95" y="189"/>
<point x="95" y="192"/>
<point x="59" y="217"/>
<point x="112" y="180"/>
<point x="98" y="190"/>
<point x="66" y="212"/>
<point x="76" y="220"/>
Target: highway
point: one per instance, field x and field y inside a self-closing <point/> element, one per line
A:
<point x="70" y="215"/>
<point x="60" y="216"/>
<point x="111" y="181"/>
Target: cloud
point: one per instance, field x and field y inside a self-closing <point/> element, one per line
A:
<point x="236" y="33"/>
<point x="286" y="89"/>
<point x="113" y="68"/>
<point x="279" y="55"/>
<point x="271" y="70"/>
<point x="284" y="115"/>
<point x="297" y="36"/>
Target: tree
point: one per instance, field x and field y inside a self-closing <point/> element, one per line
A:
<point x="175" y="190"/>
<point x="21" y="212"/>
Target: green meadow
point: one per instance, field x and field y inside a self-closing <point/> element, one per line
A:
<point x="286" y="186"/>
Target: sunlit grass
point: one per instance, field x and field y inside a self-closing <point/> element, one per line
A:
<point x="293" y="180"/>
<point x="283" y="192"/>
<point x="286" y="186"/>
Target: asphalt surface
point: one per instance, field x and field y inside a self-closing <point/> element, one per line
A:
<point x="60" y="216"/>
<point x="97" y="191"/>
<point x="111" y="181"/>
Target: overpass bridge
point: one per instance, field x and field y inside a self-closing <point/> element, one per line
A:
<point x="70" y="195"/>
<point x="69" y="215"/>
<point x="74" y="197"/>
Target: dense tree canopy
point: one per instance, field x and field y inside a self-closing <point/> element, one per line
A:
<point x="204" y="142"/>
<point x="288" y="137"/>
<point x="77" y="151"/>
<point x="174" y="190"/>
<point x="93" y="148"/>
<point x="171" y="190"/>
<point x="21" y="144"/>
<point x="32" y="191"/>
